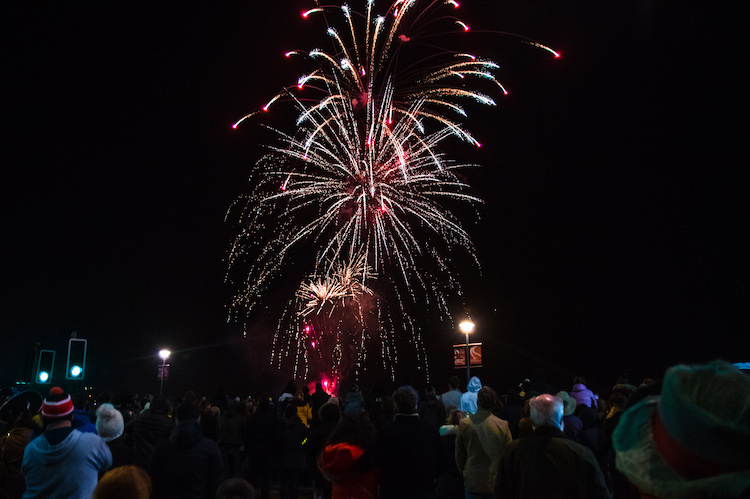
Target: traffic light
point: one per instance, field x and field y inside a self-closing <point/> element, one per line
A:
<point x="44" y="366"/>
<point x="76" y="365"/>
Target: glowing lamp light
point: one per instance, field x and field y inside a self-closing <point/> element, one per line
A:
<point x="43" y="376"/>
<point x="466" y="327"/>
<point x="75" y="371"/>
<point x="164" y="354"/>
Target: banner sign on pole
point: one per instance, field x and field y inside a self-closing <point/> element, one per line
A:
<point x="475" y="355"/>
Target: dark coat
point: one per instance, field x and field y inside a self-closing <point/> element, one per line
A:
<point x="548" y="464"/>
<point x="149" y="429"/>
<point x="262" y="439"/>
<point x="411" y="458"/>
<point x="187" y="465"/>
<point x="293" y="439"/>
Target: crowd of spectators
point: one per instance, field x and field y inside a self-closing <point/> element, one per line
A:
<point x="687" y="435"/>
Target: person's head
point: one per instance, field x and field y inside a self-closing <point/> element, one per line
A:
<point x="291" y="388"/>
<point x="79" y="401"/>
<point x="109" y="422"/>
<point x="453" y="382"/>
<point x="235" y="488"/>
<point x="430" y="393"/>
<point x="124" y="482"/>
<point x="455" y="417"/>
<point x="57" y="408"/>
<point x="546" y="410"/>
<point x="160" y="405"/>
<point x="329" y="413"/>
<point x="475" y="384"/>
<point x="187" y="411"/>
<point x="405" y="400"/>
<point x="569" y="403"/>
<point x="486" y="398"/>
<point x="579" y="380"/>
<point x="356" y="429"/>
<point x="290" y="412"/>
<point x="692" y="439"/>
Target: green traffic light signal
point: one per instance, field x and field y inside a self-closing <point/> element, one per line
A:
<point x="45" y="366"/>
<point x="76" y="365"/>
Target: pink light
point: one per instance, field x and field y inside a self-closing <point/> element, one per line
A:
<point x="265" y="108"/>
<point x="477" y="144"/>
<point x="557" y="54"/>
<point x="383" y="208"/>
<point x="234" y="126"/>
<point x="325" y="383"/>
<point x="288" y="54"/>
<point x="505" y="92"/>
<point x="283" y="186"/>
<point x="307" y="329"/>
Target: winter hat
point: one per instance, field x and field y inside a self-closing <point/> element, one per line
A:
<point x="569" y="403"/>
<point x="693" y="440"/>
<point x="57" y="404"/>
<point x="109" y="422"/>
<point x="354" y="402"/>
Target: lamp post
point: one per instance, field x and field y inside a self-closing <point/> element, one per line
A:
<point x="164" y="354"/>
<point x="467" y="327"/>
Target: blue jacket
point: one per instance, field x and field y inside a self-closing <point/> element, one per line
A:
<point x="469" y="399"/>
<point x="68" y="470"/>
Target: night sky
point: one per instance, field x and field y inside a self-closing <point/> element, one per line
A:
<point x="613" y="238"/>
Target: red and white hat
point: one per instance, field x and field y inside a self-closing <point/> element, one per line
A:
<point x="57" y="404"/>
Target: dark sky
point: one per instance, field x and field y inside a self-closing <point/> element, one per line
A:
<point x="613" y="236"/>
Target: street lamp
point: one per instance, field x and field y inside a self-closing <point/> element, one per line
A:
<point x="467" y="327"/>
<point x="164" y="354"/>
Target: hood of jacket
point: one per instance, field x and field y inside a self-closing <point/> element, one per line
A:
<point x="474" y="385"/>
<point x="54" y="454"/>
<point x="337" y="459"/>
<point x="186" y="433"/>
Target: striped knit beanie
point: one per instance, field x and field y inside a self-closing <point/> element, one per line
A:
<point x="57" y="404"/>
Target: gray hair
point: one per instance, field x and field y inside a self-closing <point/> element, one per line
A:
<point x="546" y="410"/>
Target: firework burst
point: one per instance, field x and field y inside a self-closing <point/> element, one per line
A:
<point x="362" y="186"/>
